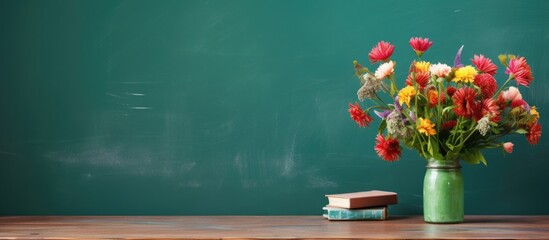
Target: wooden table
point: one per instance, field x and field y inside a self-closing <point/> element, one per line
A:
<point x="269" y="227"/>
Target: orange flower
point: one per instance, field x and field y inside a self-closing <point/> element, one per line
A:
<point x="433" y="97"/>
<point x="426" y="127"/>
<point x="405" y="95"/>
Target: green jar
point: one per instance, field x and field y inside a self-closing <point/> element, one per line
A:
<point x="443" y="192"/>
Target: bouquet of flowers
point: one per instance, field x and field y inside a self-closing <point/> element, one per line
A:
<point x="445" y="112"/>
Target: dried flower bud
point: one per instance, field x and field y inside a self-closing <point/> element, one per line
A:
<point x="369" y="87"/>
<point x="483" y="126"/>
<point x="396" y="125"/>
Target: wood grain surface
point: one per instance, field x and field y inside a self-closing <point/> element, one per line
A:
<point x="268" y="227"/>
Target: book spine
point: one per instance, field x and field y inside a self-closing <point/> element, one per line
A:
<point x="355" y="214"/>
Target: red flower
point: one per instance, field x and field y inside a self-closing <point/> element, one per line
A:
<point x="420" y="45"/>
<point x="519" y="103"/>
<point x="422" y="78"/>
<point x="388" y="149"/>
<point x="412" y="66"/>
<point x="433" y="97"/>
<point x="450" y="91"/>
<point x="465" y="104"/>
<point x="534" y="134"/>
<point x="501" y="102"/>
<point x="487" y="84"/>
<point x="381" y="52"/>
<point x="520" y="70"/>
<point x="449" y="125"/>
<point x="490" y="108"/>
<point x="484" y="64"/>
<point x="359" y="116"/>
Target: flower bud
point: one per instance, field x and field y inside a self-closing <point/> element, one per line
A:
<point x="503" y="59"/>
<point x="508" y="147"/>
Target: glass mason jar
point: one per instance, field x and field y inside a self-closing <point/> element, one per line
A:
<point x="443" y="192"/>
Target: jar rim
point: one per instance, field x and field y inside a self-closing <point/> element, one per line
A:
<point x="443" y="164"/>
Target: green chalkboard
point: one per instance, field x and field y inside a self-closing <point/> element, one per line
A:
<point x="236" y="107"/>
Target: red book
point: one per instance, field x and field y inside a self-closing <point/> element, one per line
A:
<point x="362" y="199"/>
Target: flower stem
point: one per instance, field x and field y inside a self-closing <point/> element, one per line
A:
<point x="381" y="100"/>
<point x="439" y="108"/>
<point x="502" y="86"/>
<point x="385" y="89"/>
<point x="472" y="129"/>
<point x="422" y="139"/>
<point x="380" y="107"/>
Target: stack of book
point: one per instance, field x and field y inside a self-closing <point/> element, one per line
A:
<point x="370" y="205"/>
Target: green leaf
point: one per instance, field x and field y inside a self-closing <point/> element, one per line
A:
<point x="450" y="146"/>
<point x="446" y="109"/>
<point x="470" y="158"/>
<point x="483" y="160"/>
<point x="473" y="156"/>
<point x="438" y="156"/>
<point x="432" y="147"/>
<point x="452" y="155"/>
<point x="521" y="131"/>
<point x="359" y="69"/>
<point x="393" y="89"/>
<point x="382" y="126"/>
<point x="409" y="143"/>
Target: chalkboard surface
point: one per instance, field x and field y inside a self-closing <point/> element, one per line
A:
<point x="236" y="107"/>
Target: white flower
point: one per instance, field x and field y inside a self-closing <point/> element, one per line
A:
<point x="385" y="70"/>
<point x="511" y="94"/>
<point x="440" y="70"/>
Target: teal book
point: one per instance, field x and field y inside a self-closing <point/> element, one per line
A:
<point x="375" y="213"/>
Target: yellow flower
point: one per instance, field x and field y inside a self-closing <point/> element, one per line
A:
<point x="504" y="57"/>
<point x="426" y="126"/>
<point x="534" y="112"/>
<point x="465" y="74"/>
<point x="422" y="66"/>
<point x="406" y="94"/>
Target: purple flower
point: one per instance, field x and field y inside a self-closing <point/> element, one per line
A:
<point x="398" y="107"/>
<point x="457" y="61"/>
<point x="412" y="116"/>
<point x="382" y="115"/>
<point x="526" y="107"/>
